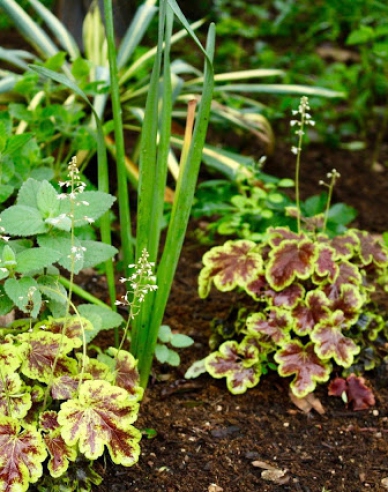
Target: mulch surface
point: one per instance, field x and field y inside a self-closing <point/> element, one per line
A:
<point x="208" y="440"/>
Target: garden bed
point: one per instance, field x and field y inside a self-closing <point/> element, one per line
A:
<point x="207" y="438"/>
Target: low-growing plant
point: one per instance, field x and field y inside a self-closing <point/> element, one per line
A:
<point x="163" y="352"/>
<point x="48" y="227"/>
<point x="248" y="205"/>
<point x="316" y="312"/>
<point x="63" y="406"/>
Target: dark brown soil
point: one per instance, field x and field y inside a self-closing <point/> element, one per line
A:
<point x="209" y="440"/>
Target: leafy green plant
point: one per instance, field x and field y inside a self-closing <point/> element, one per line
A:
<point x="165" y="354"/>
<point x="20" y="158"/>
<point x="58" y="225"/>
<point x="230" y="106"/>
<point x="316" y="308"/>
<point x="246" y="207"/>
<point x="62" y="407"/>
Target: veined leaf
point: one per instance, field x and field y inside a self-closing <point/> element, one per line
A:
<point x="15" y="399"/>
<point x="36" y="259"/>
<point x="60" y="452"/>
<point x="126" y="373"/>
<point x="25" y="294"/>
<point x="39" y="350"/>
<point x="308" y="313"/>
<point x="22" y="454"/>
<point x="291" y="259"/>
<point x="20" y="220"/>
<point x="101" y="416"/>
<point x="294" y="358"/>
<point x="331" y="342"/>
<point x="275" y="325"/>
<point x="239" y="363"/>
<point x="236" y="263"/>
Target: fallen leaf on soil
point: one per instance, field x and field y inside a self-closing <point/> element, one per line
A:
<point x="307" y="403"/>
<point x="384" y="482"/>
<point x="277" y="476"/>
<point x="263" y="465"/>
<point x="215" y="488"/>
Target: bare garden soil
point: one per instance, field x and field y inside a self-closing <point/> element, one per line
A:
<point x="208" y="440"/>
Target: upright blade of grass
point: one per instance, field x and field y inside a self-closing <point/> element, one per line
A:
<point x="135" y="32"/>
<point x="29" y="28"/>
<point x="151" y="197"/>
<point x="135" y="67"/>
<point x="189" y="169"/>
<point x="64" y="37"/>
<point x="124" y="212"/>
<point x="103" y="175"/>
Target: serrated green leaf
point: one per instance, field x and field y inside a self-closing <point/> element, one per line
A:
<point x="25" y="294"/>
<point x="36" y="259"/>
<point x="47" y="200"/>
<point x="52" y="289"/>
<point x="97" y="252"/>
<point x="101" y="318"/>
<point x="28" y="193"/>
<point x="62" y="243"/>
<point x="22" y="220"/>
<point x="97" y="202"/>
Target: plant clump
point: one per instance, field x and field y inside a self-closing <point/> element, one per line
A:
<point x="315" y="301"/>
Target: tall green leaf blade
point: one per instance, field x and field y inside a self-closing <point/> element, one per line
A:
<point x="64" y="37"/>
<point x="29" y="28"/>
<point x="135" y="32"/>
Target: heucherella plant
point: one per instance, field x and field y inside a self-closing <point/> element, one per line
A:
<point x="61" y="408"/>
<point x="316" y="296"/>
<point x="45" y="228"/>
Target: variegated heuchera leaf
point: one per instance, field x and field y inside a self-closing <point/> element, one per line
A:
<point x="126" y="373"/>
<point x="101" y="416"/>
<point x="60" y="452"/>
<point x="238" y="363"/>
<point x="296" y="359"/>
<point x="354" y="391"/>
<point x="22" y="454"/>
<point x="232" y="265"/>
<point x="40" y="349"/>
<point x="15" y="397"/>
<point x="331" y="342"/>
<point x="291" y="259"/>
<point x="275" y="325"/>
